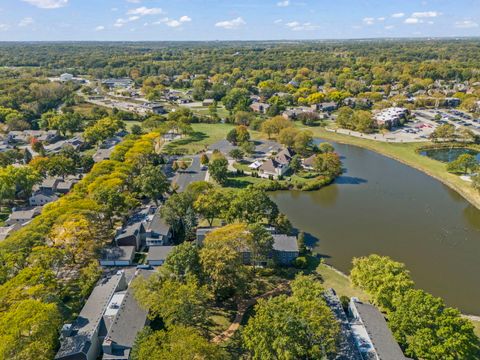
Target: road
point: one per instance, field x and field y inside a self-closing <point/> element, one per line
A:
<point x="191" y="174"/>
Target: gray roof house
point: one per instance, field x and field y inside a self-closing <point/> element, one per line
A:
<point x="42" y="197"/>
<point x="130" y="235"/>
<point x="117" y="256"/>
<point x="158" y="232"/>
<point x="22" y="216"/>
<point x="158" y="254"/>
<point x="372" y="335"/>
<point x="82" y="339"/>
<point x="285" y="248"/>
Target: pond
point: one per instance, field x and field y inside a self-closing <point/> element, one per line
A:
<point x="382" y="206"/>
<point x="449" y="154"/>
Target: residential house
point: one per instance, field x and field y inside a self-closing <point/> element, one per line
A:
<point x="278" y="165"/>
<point x="127" y="319"/>
<point x="76" y="142"/>
<point x="309" y="163"/>
<point x="118" y="256"/>
<point x="65" y="186"/>
<point x="42" y="197"/>
<point x="82" y="340"/>
<point x="102" y="154"/>
<point x="371" y="333"/>
<point x="259" y="107"/>
<point x="154" y="108"/>
<point x="158" y="232"/>
<point x="46" y="136"/>
<point x="66" y="77"/>
<point x="158" y="254"/>
<point x="292" y="114"/>
<point x="325" y="106"/>
<point x="285" y="248"/>
<point x="22" y="216"/>
<point x="49" y="184"/>
<point x="130" y="235"/>
<point x="346" y="347"/>
<point x="208" y="102"/>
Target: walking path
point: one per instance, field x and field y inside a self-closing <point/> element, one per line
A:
<point x="242" y="308"/>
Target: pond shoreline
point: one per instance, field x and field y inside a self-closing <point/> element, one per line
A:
<point x="473" y="199"/>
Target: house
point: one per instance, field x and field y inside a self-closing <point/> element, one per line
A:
<point x="208" y="102"/>
<point x="66" y="77"/>
<point x="127" y="319"/>
<point x="158" y="254"/>
<point x="259" y="107"/>
<point x="346" y="347"/>
<point x="154" y="108"/>
<point x="452" y="102"/>
<point x="65" y="186"/>
<point x="130" y="235"/>
<point x="47" y="136"/>
<point x="371" y="333"/>
<point x="76" y="142"/>
<point x="49" y="184"/>
<point x="124" y="83"/>
<point x="292" y="114"/>
<point x="118" y="256"/>
<point x="42" y="197"/>
<point x="325" y="106"/>
<point x="278" y="165"/>
<point x="391" y="117"/>
<point x="158" y="232"/>
<point x="285" y="248"/>
<point x="309" y="163"/>
<point x="202" y="233"/>
<point x="83" y="339"/>
<point x="22" y="216"/>
<point x="102" y="154"/>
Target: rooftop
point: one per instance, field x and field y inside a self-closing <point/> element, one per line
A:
<point x="156" y="253"/>
<point x="285" y="243"/>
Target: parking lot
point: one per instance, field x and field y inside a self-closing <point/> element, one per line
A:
<point x="451" y="116"/>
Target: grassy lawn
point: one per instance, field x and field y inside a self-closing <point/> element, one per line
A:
<point x="476" y="324"/>
<point x="241" y="182"/>
<point x="406" y="153"/>
<point x="203" y="136"/>
<point x="341" y="283"/>
<point x="130" y="123"/>
<point x="220" y="319"/>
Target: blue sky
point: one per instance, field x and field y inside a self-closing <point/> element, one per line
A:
<point x="27" y="20"/>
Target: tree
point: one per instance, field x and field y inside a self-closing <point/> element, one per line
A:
<point x="204" y="159"/>
<point x="221" y="259"/>
<point x="296" y="163"/>
<point x="429" y="330"/>
<point x="176" y="212"/>
<point x="102" y="130"/>
<point x="275" y="125"/>
<point x="236" y="154"/>
<point x="328" y="164"/>
<point x="260" y="244"/>
<point x="152" y="182"/>
<point x="187" y="303"/>
<point x="382" y="278"/>
<point x="303" y="142"/>
<point x="28" y="330"/>
<point x="301" y="326"/>
<point x="243" y="118"/>
<point x="184" y="261"/>
<point x="248" y="147"/>
<point x="17" y="182"/>
<point x="445" y="132"/>
<point x="218" y="168"/>
<point x="237" y="99"/>
<point x="178" y="342"/>
<point x="212" y="204"/>
<point x="325" y="147"/>
<point x="59" y="165"/>
<point x="287" y="136"/>
<point x="283" y="225"/>
<point x="252" y="205"/>
<point x="302" y="248"/>
<point x="464" y="164"/>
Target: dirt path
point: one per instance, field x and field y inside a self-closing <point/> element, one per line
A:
<point x="242" y="308"/>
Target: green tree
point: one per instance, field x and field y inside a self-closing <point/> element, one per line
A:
<point x="212" y="204"/>
<point x="184" y="261"/>
<point x="187" y="303"/>
<point x="218" y="168"/>
<point x="328" y="164"/>
<point x="236" y="154"/>
<point x="252" y="205"/>
<point x="178" y="342"/>
<point x="260" y="243"/>
<point x="382" y="278"/>
<point x="28" y="330"/>
<point x="152" y="182"/>
<point x="445" y="132"/>
<point x="464" y="164"/>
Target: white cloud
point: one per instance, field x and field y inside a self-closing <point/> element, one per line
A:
<point x="412" y="20"/>
<point x="173" y="23"/>
<point x="368" y="20"/>
<point x="398" y="15"/>
<point x="27" y="21"/>
<point x="298" y="26"/>
<point x="4" y="27"/>
<point x="389" y="27"/>
<point x="283" y="3"/>
<point x="231" y="24"/>
<point x="278" y="21"/>
<point x="185" y="18"/>
<point x="381" y="19"/>
<point x="134" y="1"/>
<point x="143" y="11"/>
<point x="466" y="24"/>
<point x="100" y="28"/>
<point x="121" y="21"/>
<point x="425" y="14"/>
<point x="47" y="4"/>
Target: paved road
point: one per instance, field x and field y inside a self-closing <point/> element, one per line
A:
<point x="191" y="174"/>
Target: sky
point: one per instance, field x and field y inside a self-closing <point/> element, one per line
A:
<point x="166" y="20"/>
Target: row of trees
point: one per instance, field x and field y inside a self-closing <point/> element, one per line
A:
<point x="423" y="325"/>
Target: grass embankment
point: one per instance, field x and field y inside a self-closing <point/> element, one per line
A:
<point x="407" y="154"/>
